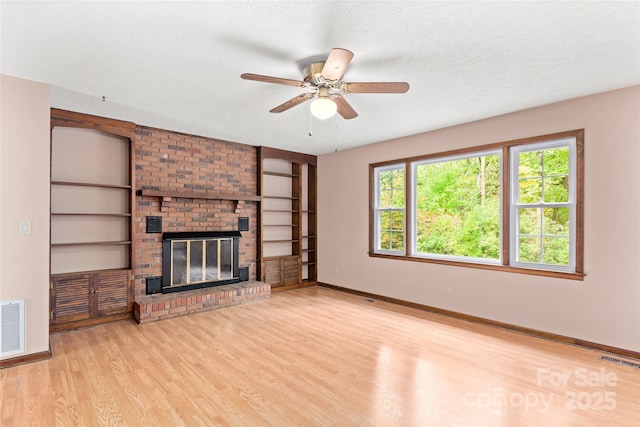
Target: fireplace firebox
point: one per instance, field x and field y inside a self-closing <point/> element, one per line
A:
<point x="201" y="259"/>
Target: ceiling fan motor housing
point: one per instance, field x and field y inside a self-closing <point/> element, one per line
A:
<point x="313" y="75"/>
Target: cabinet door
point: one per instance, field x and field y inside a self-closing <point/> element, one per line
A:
<point x="112" y="292"/>
<point x="84" y="296"/>
<point x="282" y="271"/>
<point x="272" y="271"/>
<point x="70" y="298"/>
<point x="290" y="270"/>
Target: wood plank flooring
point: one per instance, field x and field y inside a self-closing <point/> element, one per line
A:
<point x="316" y="357"/>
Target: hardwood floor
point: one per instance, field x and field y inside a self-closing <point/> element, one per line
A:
<point x="316" y="357"/>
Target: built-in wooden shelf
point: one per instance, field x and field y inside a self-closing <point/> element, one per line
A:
<point x="90" y="214"/>
<point x="167" y="195"/>
<point x="285" y="175"/>
<point x="91" y="184"/>
<point x="107" y="243"/>
<point x="288" y="186"/>
<point x="280" y="198"/>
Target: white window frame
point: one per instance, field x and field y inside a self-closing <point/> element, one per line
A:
<point x="514" y="206"/>
<point x="377" y="210"/>
<point x="414" y="208"/>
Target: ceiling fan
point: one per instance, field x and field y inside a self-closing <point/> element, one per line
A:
<point x="325" y="78"/>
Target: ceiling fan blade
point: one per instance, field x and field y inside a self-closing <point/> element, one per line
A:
<point x="292" y="102"/>
<point x="375" y="87"/>
<point x="336" y="64"/>
<point x="276" y="80"/>
<point x="344" y="109"/>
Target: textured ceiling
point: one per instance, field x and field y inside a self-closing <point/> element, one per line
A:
<point x="177" y="65"/>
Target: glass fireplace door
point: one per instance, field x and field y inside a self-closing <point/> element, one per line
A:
<point x="201" y="260"/>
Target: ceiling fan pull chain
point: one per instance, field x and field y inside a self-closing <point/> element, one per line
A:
<point x="335" y="133"/>
<point x="310" y="134"/>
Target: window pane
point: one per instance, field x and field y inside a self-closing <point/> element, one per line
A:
<point x="529" y="221"/>
<point x="556" y="221"/>
<point x="529" y="249"/>
<point x="530" y="164"/>
<point x="384" y="198"/>
<point x="556" y="161"/>
<point x="458" y="207"/>
<point x="433" y="232"/>
<point x="385" y="220"/>
<point x="386" y="180"/>
<point x="397" y="218"/>
<point x="397" y="198"/>
<point x="384" y="240"/>
<point x="397" y="240"/>
<point x="530" y="190"/>
<point x="556" y="189"/>
<point x="556" y="250"/>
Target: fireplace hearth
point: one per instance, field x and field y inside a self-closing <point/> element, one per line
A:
<point x="200" y="259"/>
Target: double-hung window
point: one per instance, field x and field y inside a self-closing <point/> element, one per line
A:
<point x="389" y="212"/>
<point x="543" y="205"/>
<point x="513" y="206"/>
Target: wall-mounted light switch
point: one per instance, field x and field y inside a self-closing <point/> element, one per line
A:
<point x="24" y="227"/>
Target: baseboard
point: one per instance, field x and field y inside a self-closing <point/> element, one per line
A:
<point x="481" y="320"/>
<point x="20" y="360"/>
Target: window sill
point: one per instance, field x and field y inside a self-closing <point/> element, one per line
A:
<point x="506" y="268"/>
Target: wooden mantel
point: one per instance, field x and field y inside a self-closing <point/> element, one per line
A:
<point x="167" y="194"/>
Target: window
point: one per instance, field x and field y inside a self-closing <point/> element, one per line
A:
<point x="511" y="206"/>
<point x="457" y="207"/>
<point x="390" y="209"/>
<point x="543" y="205"/>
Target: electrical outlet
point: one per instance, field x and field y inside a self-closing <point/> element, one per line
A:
<point x="337" y="270"/>
<point x="448" y="288"/>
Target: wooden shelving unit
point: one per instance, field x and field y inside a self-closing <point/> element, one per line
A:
<point x="90" y="184"/>
<point x="287" y="248"/>
<point x="92" y="217"/>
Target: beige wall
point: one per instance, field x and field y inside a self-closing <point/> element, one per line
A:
<point x="604" y="308"/>
<point x="24" y="196"/>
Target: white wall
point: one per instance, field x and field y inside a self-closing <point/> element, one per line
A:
<point x="24" y="196"/>
<point x="604" y="308"/>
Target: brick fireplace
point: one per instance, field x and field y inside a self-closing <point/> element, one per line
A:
<point x="174" y="162"/>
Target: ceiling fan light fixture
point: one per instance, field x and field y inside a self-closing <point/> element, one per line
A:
<point x="323" y="108"/>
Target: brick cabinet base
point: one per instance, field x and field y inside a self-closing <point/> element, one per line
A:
<point x="150" y="308"/>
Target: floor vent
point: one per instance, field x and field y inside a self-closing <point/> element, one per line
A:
<point x="621" y="362"/>
<point x="11" y="328"/>
<point x="369" y="300"/>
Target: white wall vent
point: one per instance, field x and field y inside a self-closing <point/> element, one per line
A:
<point x="12" y="327"/>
